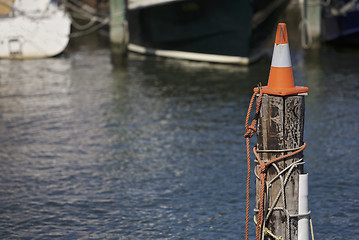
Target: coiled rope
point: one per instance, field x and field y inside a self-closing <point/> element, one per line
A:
<point x="262" y="173"/>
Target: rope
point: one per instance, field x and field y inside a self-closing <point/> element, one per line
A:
<point x="88" y="31"/>
<point x="262" y="172"/>
<point x="266" y="231"/>
<point x="277" y="150"/>
<point x="85" y="12"/>
<point x="250" y="130"/>
<point x="311" y="227"/>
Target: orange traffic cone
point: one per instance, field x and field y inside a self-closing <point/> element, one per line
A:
<point x="281" y="80"/>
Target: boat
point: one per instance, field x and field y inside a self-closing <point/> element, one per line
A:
<point x="221" y="31"/>
<point x="340" y="22"/>
<point x="33" y="29"/>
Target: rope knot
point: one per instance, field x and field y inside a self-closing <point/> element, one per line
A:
<point x="251" y="130"/>
<point x="262" y="168"/>
<point x="249" y="133"/>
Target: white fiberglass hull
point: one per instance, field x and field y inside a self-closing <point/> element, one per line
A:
<point x="25" y="36"/>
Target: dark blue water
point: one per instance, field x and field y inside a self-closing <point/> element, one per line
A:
<point x="97" y="148"/>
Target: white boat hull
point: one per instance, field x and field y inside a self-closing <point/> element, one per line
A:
<point x="42" y="35"/>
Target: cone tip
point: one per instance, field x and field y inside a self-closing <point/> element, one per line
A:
<point x="281" y="36"/>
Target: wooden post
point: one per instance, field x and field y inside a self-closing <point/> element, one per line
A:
<point x="280" y="127"/>
<point x="311" y="13"/>
<point x="314" y="8"/>
<point x="118" y="26"/>
<point x="279" y="146"/>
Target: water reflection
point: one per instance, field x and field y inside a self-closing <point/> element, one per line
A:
<point x="152" y="148"/>
<point x="332" y="133"/>
<point x="183" y="128"/>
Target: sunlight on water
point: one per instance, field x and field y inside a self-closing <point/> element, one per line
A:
<point x="154" y="148"/>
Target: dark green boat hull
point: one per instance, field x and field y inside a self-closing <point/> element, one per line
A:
<point x="216" y="27"/>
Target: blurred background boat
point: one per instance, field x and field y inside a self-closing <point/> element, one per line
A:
<point x="340" y="21"/>
<point x="33" y="29"/>
<point x="226" y="31"/>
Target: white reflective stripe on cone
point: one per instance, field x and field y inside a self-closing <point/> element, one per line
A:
<point x="281" y="56"/>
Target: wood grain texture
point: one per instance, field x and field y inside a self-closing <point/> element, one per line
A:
<point x="281" y="126"/>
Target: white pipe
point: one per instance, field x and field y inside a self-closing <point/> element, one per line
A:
<point x="303" y="222"/>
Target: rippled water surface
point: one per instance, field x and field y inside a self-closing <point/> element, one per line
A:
<point x="97" y="148"/>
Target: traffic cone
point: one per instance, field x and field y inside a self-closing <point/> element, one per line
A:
<point x="281" y="80"/>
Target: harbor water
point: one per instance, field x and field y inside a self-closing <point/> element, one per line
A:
<point x="98" y="147"/>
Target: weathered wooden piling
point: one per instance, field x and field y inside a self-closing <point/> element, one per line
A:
<point x="118" y="26"/>
<point x="279" y="148"/>
<point x="280" y="130"/>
